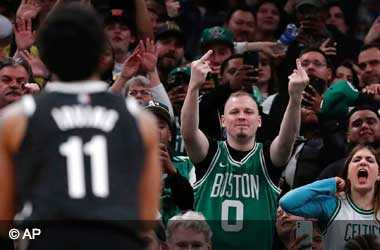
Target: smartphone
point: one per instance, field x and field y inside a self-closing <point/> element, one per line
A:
<point x="213" y="78"/>
<point x="176" y="80"/>
<point x="305" y="228"/>
<point x="318" y="84"/>
<point x="251" y="58"/>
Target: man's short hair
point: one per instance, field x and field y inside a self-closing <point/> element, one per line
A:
<point x="189" y="220"/>
<point x="224" y="65"/>
<point x="13" y="62"/>
<point x="361" y="108"/>
<point x="243" y="8"/>
<point x="318" y="50"/>
<point x="369" y="46"/>
<point x="71" y="42"/>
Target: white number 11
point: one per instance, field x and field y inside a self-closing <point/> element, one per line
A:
<point x="74" y="150"/>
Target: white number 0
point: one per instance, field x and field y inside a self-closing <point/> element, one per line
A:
<point x="74" y="150"/>
<point x="238" y="225"/>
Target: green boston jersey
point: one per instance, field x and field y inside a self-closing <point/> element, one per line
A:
<point x="238" y="200"/>
<point x="168" y="206"/>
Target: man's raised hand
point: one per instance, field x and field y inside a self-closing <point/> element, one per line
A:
<point x="298" y="81"/>
<point x="199" y="70"/>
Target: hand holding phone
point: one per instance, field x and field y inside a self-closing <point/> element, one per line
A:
<point x="304" y="234"/>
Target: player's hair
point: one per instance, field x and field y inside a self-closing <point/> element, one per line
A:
<point x="189" y="220"/>
<point x="344" y="175"/>
<point x="13" y="62"/>
<point x="71" y="42"/>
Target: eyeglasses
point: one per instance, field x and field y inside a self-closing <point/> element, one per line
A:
<point x="141" y="92"/>
<point x="316" y="63"/>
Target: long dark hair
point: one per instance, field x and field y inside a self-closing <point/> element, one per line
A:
<point x="344" y="175"/>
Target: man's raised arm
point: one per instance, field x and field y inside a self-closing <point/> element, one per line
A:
<point x="282" y="146"/>
<point x="196" y="143"/>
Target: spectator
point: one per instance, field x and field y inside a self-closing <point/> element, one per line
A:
<point x="346" y="71"/>
<point x="249" y="161"/>
<point x="170" y="47"/>
<point x="178" y="83"/>
<point x="107" y="63"/>
<point x="155" y="239"/>
<point x="142" y="60"/>
<point x="316" y="64"/>
<point x="157" y="13"/>
<point x="220" y="41"/>
<point x="235" y="76"/>
<point x="177" y="87"/>
<point x="268" y="20"/>
<point x="241" y="22"/>
<point x="342" y="95"/>
<point x="363" y="128"/>
<point x="14" y="74"/>
<point x="120" y="31"/>
<point x="196" y="15"/>
<point x="189" y="231"/>
<point x="337" y="17"/>
<point x="138" y="87"/>
<point x="286" y="232"/>
<point x="177" y="194"/>
<point x="340" y="204"/>
<point x="369" y="63"/>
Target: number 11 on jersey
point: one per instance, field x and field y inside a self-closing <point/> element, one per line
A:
<point x="74" y="150"/>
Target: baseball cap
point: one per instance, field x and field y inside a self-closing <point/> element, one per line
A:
<point x="216" y="34"/>
<point x="5" y="27"/>
<point x="169" y="29"/>
<point x="178" y="76"/>
<point x="119" y="16"/>
<point x="159" y="109"/>
<point x="315" y="3"/>
<point x="181" y="70"/>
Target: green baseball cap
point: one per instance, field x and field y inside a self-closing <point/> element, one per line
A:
<point x="181" y="70"/>
<point x="216" y="35"/>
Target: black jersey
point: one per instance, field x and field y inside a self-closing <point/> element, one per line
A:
<point x="81" y="157"/>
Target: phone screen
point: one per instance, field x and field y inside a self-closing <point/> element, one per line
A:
<point x="251" y="58"/>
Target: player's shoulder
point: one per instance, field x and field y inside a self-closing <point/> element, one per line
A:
<point x="13" y="121"/>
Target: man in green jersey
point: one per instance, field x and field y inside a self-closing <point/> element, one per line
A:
<point x="233" y="188"/>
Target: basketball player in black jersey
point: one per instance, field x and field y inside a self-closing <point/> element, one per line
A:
<point x="76" y="152"/>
